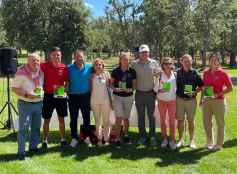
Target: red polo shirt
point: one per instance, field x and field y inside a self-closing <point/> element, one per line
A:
<point x="54" y="76"/>
<point x="218" y="80"/>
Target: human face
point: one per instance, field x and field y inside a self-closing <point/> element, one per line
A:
<point x="214" y="62"/>
<point x="33" y="62"/>
<point x="187" y="63"/>
<point x="124" y="61"/>
<point x="55" y="57"/>
<point x="79" y="58"/>
<point x="167" y="65"/>
<point x="143" y="56"/>
<point x="99" y="66"/>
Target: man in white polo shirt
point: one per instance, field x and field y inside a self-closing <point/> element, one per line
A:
<point x="27" y="85"/>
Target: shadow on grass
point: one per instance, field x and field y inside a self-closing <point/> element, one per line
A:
<point x="131" y="152"/>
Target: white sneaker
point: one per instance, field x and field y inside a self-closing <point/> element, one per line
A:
<point x="179" y="144"/>
<point x="192" y="144"/>
<point x="88" y="141"/>
<point x="74" y="143"/>
<point x="164" y="143"/>
<point x="100" y="144"/>
<point x="209" y="146"/>
<point x="172" y="145"/>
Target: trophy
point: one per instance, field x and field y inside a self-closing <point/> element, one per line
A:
<point x="59" y="92"/>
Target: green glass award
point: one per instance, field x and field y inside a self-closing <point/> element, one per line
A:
<point x="208" y="91"/>
<point x="59" y="91"/>
<point x="167" y="86"/>
<point x="122" y="85"/>
<point x="188" y="89"/>
<point x="38" y="91"/>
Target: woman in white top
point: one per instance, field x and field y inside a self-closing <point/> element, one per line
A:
<point x="167" y="101"/>
<point x="28" y="85"/>
<point x="100" y="101"/>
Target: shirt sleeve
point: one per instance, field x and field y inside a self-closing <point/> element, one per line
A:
<point x="134" y="74"/>
<point x="227" y="80"/>
<point x="199" y="81"/>
<point x="113" y="74"/>
<point x="66" y="74"/>
<point x="42" y="67"/>
<point x="17" y="81"/>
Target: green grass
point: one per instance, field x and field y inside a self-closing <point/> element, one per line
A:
<point x="129" y="159"/>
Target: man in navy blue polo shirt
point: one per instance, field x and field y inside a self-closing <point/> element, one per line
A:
<point x="79" y="95"/>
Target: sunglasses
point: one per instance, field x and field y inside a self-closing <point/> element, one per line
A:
<point x="167" y="63"/>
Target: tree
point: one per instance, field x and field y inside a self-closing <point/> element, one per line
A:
<point x="42" y="24"/>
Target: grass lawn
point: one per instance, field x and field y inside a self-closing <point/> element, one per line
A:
<point x="129" y="158"/>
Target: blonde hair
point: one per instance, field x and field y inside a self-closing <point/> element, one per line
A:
<point x="98" y="60"/>
<point x="122" y="55"/>
<point x="186" y="56"/>
<point x="166" y="59"/>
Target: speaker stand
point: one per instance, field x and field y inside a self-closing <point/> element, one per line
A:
<point x="8" y="124"/>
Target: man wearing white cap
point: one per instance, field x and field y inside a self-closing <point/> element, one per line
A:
<point x="146" y="68"/>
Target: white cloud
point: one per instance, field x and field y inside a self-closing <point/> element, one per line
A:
<point x="89" y="5"/>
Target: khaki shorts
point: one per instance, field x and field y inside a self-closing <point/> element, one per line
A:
<point x="186" y="107"/>
<point x="122" y="106"/>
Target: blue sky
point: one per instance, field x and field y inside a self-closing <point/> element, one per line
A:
<point x="96" y="6"/>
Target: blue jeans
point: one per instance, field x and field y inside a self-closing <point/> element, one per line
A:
<point x="29" y="116"/>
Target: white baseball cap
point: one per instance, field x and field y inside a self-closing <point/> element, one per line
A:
<point x="144" y="48"/>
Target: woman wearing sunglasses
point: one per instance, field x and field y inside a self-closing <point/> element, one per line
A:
<point x="100" y="101"/>
<point x="166" y="94"/>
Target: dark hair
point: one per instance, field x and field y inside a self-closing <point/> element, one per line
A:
<point x="55" y="49"/>
<point x="217" y="55"/>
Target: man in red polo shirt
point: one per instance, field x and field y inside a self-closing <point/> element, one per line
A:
<point x="55" y="80"/>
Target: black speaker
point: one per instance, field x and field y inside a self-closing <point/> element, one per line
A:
<point x="8" y="61"/>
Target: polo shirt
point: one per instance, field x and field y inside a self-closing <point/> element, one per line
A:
<point x="79" y="79"/>
<point x="123" y="76"/>
<point x="218" y="80"/>
<point x="187" y="78"/>
<point x="54" y="76"/>
<point x="145" y="74"/>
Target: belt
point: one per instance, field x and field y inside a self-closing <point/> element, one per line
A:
<point x="144" y="91"/>
<point x="187" y="99"/>
<point x="29" y="102"/>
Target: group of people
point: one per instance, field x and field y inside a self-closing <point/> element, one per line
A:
<point x="43" y="87"/>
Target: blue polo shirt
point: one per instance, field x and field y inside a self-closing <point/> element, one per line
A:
<point x="79" y="82"/>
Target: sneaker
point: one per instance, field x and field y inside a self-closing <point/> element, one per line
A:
<point x="107" y="143"/>
<point x="100" y="143"/>
<point x="179" y="144"/>
<point x="153" y="142"/>
<point x="63" y="143"/>
<point x="126" y="139"/>
<point x="217" y="148"/>
<point x="88" y="142"/>
<point x="164" y="143"/>
<point x="172" y="145"/>
<point x="35" y="150"/>
<point x="118" y="142"/>
<point x="209" y="146"/>
<point x="74" y="142"/>
<point x="192" y="144"/>
<point x="23" y="157"/>
<point x="141" y="141"/>
<point x="45" y="145"/>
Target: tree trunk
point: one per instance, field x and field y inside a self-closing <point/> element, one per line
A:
<point x="232" y="59"/>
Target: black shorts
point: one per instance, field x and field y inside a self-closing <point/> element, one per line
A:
<point x="50" y="103"/>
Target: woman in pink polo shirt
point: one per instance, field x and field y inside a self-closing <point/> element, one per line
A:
<point x="217" y="83"/>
